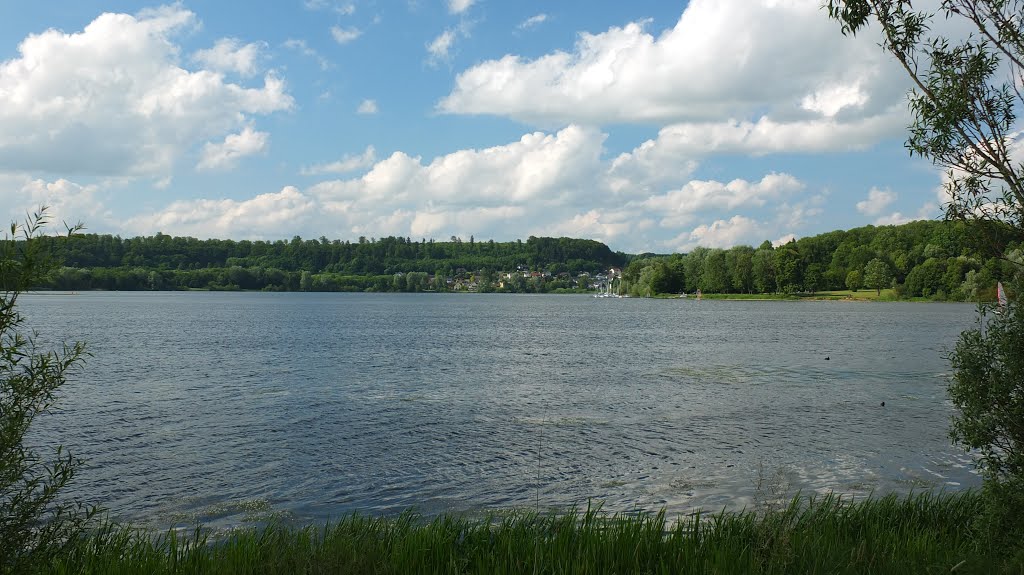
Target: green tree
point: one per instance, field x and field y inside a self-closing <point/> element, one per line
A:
<point x="926" y="278"/>
<point x="965" y="98"/>
<point x="988" y="378"/>
<point x="876" y="275"/>
<point x="854" y="280"/>
<point x="714" y="277"/>
<point x="763" y="268"/>
<point x="740" y="263"/>
<point x="965" y="103"/>
<point x="34" y="523"/>
<point x="787" y="269"/>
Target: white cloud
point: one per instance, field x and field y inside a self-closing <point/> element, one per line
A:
<point x="680" y="142"/>
<point x="532" y="183"/>
<point x="343" y="8"/>
<point x="461" y="221"/>
<point x="345" y="35"/>
<point x="790" y="216"/>
<point x="439" y="47"/>
<point x="346" y="164"/>
<point x="112" y="100"/>
<point x="228" y="55"/>
<point x="305" y="50"/>
<point x="532" y="21"/>
<point x="226" y="154"/>
<point x="541" y="184"/>
<point x="740" y="59"/>
<point x="602" y="225"/>
<point x="677" y="207"/>
<point x="68" y="202"/>
<point x="367" y="107"/>
<point x="893" y="219"/>
<point x="876" y="202"/>
<point x="784" y="240"/>
<point x="287" y="209"/>
<point x="539" y="167"/>
<point x="831" y="100"/>
<point x="720" y="234"/>
<point x="459" y="6"/>
<point x="926" y="212"/>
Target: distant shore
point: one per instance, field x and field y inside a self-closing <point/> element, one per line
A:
<point x="886" y="295"/>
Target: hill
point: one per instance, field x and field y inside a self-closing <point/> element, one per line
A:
<point x="923" y="259"/>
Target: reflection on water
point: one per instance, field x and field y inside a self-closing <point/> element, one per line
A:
<point x="229" y="408"/>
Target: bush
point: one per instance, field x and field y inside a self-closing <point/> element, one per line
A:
<point x="988" y="390"/>
<point x="35" y="524"/>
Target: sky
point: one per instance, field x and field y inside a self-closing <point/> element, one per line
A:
<point x="652" y="126"/>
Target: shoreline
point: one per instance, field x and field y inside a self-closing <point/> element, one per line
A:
<point x="823" y="533"/>
<point x="822" y="296"/>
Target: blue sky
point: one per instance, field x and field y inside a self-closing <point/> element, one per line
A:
<point x="652" y="126"/>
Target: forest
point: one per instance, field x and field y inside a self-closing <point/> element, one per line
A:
<point x="923" y="259"/>
<point x="163" y="262"/>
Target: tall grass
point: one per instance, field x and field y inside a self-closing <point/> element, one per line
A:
<point x="922" y="533"/>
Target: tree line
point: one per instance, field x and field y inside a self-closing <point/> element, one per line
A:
<point x="163" y="262"/>
<point x="932" y="259"/>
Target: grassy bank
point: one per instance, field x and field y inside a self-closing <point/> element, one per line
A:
<point x="918" y="534"/>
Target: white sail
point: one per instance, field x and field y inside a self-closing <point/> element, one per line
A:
<point x="1000" y="295"/>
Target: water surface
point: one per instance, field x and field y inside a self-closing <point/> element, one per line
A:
<point x="230" y="407"/>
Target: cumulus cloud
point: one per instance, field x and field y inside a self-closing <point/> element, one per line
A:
<point x="226" y="154"/>
<point x="226" y="218"/>
<point x="112" y="100"/>
<point x="876" y="202"/>
<point x="893" y="219"/>
<point x="505" y="189"/>
<point x="677" y="148"/>
<point x="680" y="205"/>
<point x="68" y="202"/>
<point x="926" y="211"/>
<point x="742" y="59"/>
<point x="719" y="234"/>
<point x="345" y="35"/>
<point x="367" y="107"/>
<point x="541" y="184"/>
<point x="784" y="240"/>
<point x="229" y="55"/>
<point x="539" y="167"/>
<point x="429" y="222"/>
<point x="603" y="225"/>
<point x="347" y="163"/>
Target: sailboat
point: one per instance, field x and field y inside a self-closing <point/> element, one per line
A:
<point x="1001" y="297"/>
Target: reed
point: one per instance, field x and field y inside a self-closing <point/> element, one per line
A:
<point x="923" y="533"/>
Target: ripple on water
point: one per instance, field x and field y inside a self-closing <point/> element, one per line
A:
<point x="238" y="408"/>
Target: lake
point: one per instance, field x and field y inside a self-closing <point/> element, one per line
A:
<point x="236" y="407"/>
